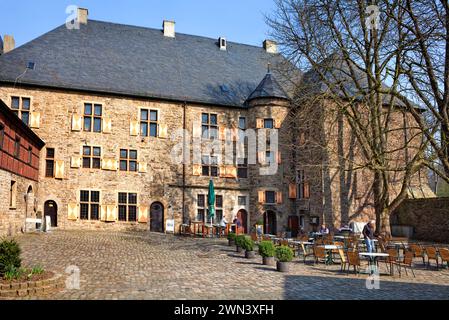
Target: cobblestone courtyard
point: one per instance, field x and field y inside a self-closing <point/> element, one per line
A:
<point x="139" y="265"/>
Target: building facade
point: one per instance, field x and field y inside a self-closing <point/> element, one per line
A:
<point x="137" y="121"/>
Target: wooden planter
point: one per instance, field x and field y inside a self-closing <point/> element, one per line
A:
<point x="282" y="266"/>
<point x="268" y="261"/>
<point x="250" y="254"/>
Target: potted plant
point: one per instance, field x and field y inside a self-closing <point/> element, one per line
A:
<point x="284" y="255"/>
<point x="267" y="251"/>
<point x="248" y="245"/>
<point x="231" y="239"/>
<point x="239" y="242"/>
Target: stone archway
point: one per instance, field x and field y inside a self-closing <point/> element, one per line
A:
<point x="51" y="210"/>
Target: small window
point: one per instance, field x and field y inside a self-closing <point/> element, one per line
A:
<point x="242" y="168"/>
<point x="209" y="126"/>
<point x="21" y="107"/>
<point x="209" y="166"/>
<point x="201" y="207"/>
<point x="270" y="197"/>
<point x="128" y="160"/>
<point x="91" y="157"/>
<point x="30" y="155"/>
<point x="127" y="207"/>
<point x="268" y="123"/>
<point x="50" y="163"/>
<point x="89" y="205"/>
<point x="2" y="135"/>
<point x="93" y="117"/>
<point x="149" y="123"/>
<point x="242" y="200"/>
<point x="13" y="194"/>
<point x="242" y="123"/>
<point x="218" y="207"/>
<point x="17" y="148"/>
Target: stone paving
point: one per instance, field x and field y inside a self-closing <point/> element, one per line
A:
<point x="141" y="265"/>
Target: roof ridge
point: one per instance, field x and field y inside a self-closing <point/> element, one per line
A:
<point x="181" y="33"/>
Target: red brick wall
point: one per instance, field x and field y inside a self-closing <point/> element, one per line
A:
<point x="8" y="161"/>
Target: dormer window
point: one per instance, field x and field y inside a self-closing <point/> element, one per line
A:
<point x="222" y="43"/>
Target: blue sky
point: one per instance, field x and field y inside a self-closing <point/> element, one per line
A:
<point x="237" y="20"/>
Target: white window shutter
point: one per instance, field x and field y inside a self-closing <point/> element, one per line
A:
<point x="163" y="131"/>
<point x="142" y="167"/>
<point x="77" y="122"/>
<point x="104" y="212"/>
<point x="134" y="128"/>
<point x="72" y="211"/>
<point x="75" y="162"/>
<point x="107" y="125"/>
<point x="35" y="118"/>
<point x="143" y="214"/>
<point x="59" y="169"/>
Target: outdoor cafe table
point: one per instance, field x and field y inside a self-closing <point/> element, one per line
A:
<point x="329" y="248"/>
<point x="375" y="256"/>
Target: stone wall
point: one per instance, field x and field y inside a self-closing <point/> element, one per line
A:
<point x="12" y="218"/>
<point x="428" y="217"/>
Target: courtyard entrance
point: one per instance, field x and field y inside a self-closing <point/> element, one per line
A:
<point x="157" y="217"/>
<point x="51" y="210"/>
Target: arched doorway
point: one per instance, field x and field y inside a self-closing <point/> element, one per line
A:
<point x="242" y="216"/>
<point x="29" y="202"/>
<point x="157" y="217"/>
<point x="269" y="222"/>
<point x="51" y="210"/>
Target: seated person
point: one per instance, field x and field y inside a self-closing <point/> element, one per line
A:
<point x="324" y="229"/>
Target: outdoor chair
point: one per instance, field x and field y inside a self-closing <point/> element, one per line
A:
<point x="444" y="254"/>
<point x="354" y="260"/>
<point x="418" y="252"/>
<point x="431" y="253"/>
<point x="305" y="253"/>
<point x="343" y="259"/>
<point x="319" y="253"/>
<point x="392" y="259"/>
<point x="284" y="242"/>
<point x="407" y="262"/>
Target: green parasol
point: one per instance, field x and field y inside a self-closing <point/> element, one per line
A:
<point x="211" y="200"/>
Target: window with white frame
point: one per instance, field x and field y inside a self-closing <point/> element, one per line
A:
<point x="89" y="205"/>
<point x="21" y="107"/>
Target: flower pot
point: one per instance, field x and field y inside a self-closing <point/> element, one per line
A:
<point x="268" y="261"/>
<point x="250" y="254"/>
<point x="239" y="249"/>
<point x="231" y="243"/>
<point x="282" y="266"/>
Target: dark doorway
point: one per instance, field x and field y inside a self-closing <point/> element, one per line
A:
<point x="51" y="210"/>
<point x="293" y="225"/>
<point x="269" y="222"/>
<point x="242" y="216"/>
<point x="157" y="217"/>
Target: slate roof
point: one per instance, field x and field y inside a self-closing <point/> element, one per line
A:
<point x="268" y="88"/>
<point x="121" y="59"/>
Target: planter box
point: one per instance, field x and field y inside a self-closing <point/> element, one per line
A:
<point x="282" y="266"/>
<point x="268" y="261"/>
<point x="231" y="243"/>
<point x="250" y="254"/>
<point x="239" y="249"/>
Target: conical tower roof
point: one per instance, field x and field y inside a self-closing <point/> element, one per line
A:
<point x="268" y="88"/>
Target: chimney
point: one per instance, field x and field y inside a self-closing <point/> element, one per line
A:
<point x="169" y="28"/>
<point x="8" y="44"/>
<point x="270" y="46"/>
<point x="82" y="15"/>
<point x="222" y="43"/>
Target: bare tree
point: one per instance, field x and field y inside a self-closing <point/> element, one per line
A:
<point x="353" y="50"/>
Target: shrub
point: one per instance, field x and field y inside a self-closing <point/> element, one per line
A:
<point x="239" y="240"/>
<point x="37" y="270"/>
<point x="232" y="236"/>
<point x="11" y="272"/>
<point x="284" y="254"/>
<point x="248" y="244"/>
<point x="266" y="249"/>
<point x="9" y="256"/>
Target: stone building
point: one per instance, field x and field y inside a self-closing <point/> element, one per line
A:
<point x="137" y="121"/>
<point x="19" y="166"/>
